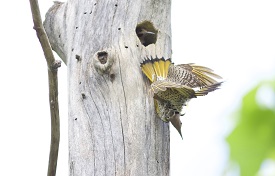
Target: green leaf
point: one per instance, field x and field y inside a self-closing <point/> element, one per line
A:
<point x="253" y="139"/>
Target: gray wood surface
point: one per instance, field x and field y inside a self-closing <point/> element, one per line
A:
<point x="113" y="129"/>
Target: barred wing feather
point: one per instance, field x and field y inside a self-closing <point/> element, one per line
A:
<point x="163" y="85"/>
<point x="202" y="76"/>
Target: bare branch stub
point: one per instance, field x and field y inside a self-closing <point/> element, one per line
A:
<point x="56" y="64"/>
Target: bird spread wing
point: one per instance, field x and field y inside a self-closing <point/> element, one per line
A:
<point x="206" y="89"/>
<point x="185" y="91"/>
<point x="163" y="85"/>
<point x="192" y="75"/>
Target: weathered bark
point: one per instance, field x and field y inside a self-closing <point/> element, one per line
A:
<point x="113" y="129"/>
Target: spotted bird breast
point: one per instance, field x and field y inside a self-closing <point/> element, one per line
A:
<point x="175" y="99"/>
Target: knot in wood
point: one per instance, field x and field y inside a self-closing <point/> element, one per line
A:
<point x="103" y="62"/>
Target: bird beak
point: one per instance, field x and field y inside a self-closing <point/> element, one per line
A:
<point x="175" y="120"/>
<point x="147" y="32"/>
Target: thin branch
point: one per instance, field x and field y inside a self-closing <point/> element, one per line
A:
<point x="53" y="86"/>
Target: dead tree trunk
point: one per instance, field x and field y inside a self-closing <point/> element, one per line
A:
<point x="113" y="129"/>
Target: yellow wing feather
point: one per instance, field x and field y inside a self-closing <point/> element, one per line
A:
<point x="156" y="68"/>
<point x="148" y="70"/>
<point x="161" y="67"/>
<point x="166" y="67"/>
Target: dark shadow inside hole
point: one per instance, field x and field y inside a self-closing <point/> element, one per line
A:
<point x="77" y="57"/>
<point x="146" y="33"/>
<point x="102" y="57"/>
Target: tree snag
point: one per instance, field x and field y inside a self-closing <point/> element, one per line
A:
<point x="113" y="128"/>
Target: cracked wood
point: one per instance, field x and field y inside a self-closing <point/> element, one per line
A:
<point x="116" y="131"/>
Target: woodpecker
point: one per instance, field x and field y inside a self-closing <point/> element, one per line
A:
<point x="173" y="86"/>
<point x="146" y="37"/>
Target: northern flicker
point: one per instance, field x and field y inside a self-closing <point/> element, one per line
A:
<point x="174" y="85"/>
<point x="146" y="37"/>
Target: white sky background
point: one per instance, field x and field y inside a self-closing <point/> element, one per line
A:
<point x="235" y="38"/>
